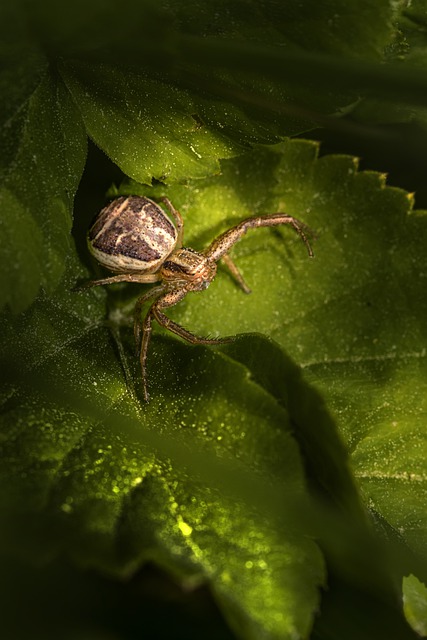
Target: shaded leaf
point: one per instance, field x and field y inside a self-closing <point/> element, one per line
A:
<point x="415" y="604"/>
<point x="37" y="192"/>
<point x="188" y="482"/>
<point x="407" y="54"/>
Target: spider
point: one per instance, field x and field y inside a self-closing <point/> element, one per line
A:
<point x="134" y="238"/>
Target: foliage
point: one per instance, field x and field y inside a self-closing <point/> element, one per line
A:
<point x="286" y="471"/>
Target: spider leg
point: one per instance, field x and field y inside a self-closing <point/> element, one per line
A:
<point x="169" y="299"/>
<point x="170" y="325"/>
<point x="146" y="335"/>
<point x="225" y="241"/>
<point x="122" y="277"/>
<point x="154" y="292"/>
<point x="234" y="271"/>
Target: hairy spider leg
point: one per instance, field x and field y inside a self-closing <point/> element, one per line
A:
<point x="154" y="292"/>
<point x="168" y="299"/>
<point x="225" y="241"/>
<point x="122" y="277"/>
<point x="234" y="271"/>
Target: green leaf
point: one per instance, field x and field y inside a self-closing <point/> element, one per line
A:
<point x="415" y="604"/>
<point x="207" y="480"/>
<point x="47" y="148"/>
<point x="94" y="31"/>
<point x="353" y="317"/>
<point x="210" y="481"/>
<point x="149" y="104"/>
<point x="407" y="54"/>
<point x="191" y="481"/>
<point x="148" y="127"/>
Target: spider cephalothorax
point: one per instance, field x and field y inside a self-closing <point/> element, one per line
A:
<point x="188" y="269"/>
<point x="134" y="238"/>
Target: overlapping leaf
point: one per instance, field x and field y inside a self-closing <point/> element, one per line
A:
<point x="114" y="483"/>
<point x="138" y="86"/>
<point x="204" y="480"/>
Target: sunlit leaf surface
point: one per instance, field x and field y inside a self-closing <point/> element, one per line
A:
<point x="206" y="478"/>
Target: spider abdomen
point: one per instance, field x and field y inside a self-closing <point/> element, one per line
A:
<point x="132" y="235"/>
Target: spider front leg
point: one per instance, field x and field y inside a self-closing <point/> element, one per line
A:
<point x="169" y="299"/>
<point x="221" y="245"/>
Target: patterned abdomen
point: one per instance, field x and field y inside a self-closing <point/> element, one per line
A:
<point x="132" y="235"/>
